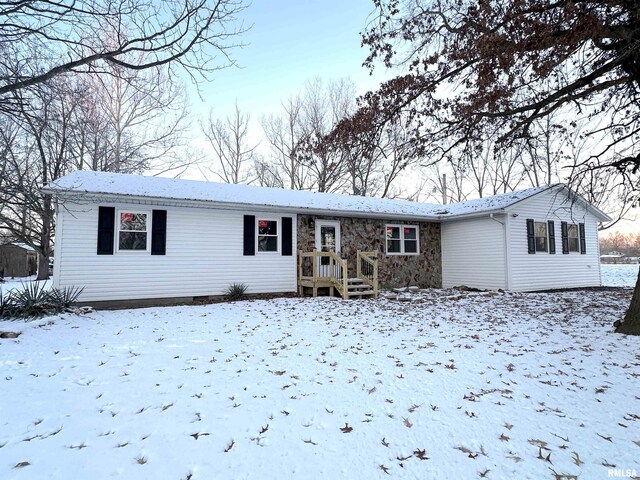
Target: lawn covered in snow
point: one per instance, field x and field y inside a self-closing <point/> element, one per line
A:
<point x="619" y="275"/>
<point x="441" y="384"/>
<point x="18" y="283"/>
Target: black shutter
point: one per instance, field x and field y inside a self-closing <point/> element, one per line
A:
<point x="531" y="236"/>
<point x="565" y="237"/>
<point x="106" y="224"/>
<point x="287" y="236"/>
<point x="159" y="232"/>
<point x="249" y="235"/>
<point x="583" y="240"/>
<point x="552" y="236"/>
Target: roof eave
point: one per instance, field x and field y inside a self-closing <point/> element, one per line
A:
<point x="466" y="216"/>
<point x="94" y="197"/>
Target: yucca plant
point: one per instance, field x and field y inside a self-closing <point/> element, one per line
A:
<point x="30" y="300"/>
<point x="34" y="300"/>
<point x="235" y="291"/>
<point x="64" y="297"/>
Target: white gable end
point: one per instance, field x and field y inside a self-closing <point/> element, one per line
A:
<point x="543" y="270"/>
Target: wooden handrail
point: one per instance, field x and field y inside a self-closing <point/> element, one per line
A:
<point x="336" y="272"/>
<point x="370" y="276"/>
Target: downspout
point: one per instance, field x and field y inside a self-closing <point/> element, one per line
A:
<point x="57" y="245"/>
<point x="598" y="252"/>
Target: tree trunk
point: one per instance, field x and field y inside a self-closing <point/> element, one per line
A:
<point x="43" y="267"/>
<point x="631" y="323"/>
<point x="45" y="238"/>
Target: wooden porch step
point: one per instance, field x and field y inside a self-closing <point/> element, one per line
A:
<point x="361" y="293"/>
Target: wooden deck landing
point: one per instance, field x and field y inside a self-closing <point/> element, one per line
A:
<point x="330" y="271"/>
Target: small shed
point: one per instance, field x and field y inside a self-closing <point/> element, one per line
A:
<point x="18" y="260"/>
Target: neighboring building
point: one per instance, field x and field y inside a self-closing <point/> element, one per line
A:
<point x="18" y="260"/>
<point x="127" y="237"/>
<point x="613" y="257"/>
<point x="618" y="257"/>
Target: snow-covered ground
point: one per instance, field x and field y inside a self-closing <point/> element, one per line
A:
<point x="442" y="384"/>
<point x="619" y="275"/>
<point x="20" y="282"/>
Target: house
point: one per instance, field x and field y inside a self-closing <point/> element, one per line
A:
<point x="17" y="260"/>
<point x="618" y="257"/>
<point x="537" y="239"/>
<point x="128" y="237"/>
<point x="613" y="257"/>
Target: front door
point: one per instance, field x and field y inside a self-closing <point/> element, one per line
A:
<point x="327" y="240"/>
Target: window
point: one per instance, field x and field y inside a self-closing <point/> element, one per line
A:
<point x="573" y="237"/>
<point x="542" y="244"/>
<point x="133" y="228"/>
<point x="402" y="240"/>
<point x="267" y="235"/>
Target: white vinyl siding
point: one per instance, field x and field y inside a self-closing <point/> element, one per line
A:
<point x="476" y="253"/>
<point x="545" y="271"/>
<point x="473" y="253"/>
<point x="204" y="255"/>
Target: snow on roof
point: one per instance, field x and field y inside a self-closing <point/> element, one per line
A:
<point x="24" y="246"/>
<point x="102" y="183"/>
<point x="489" y="204"/>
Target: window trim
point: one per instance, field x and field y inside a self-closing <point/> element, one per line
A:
<point x="402" y="239"/>
<point x="546" y="235"/>
<point x="278" y="235"/>
<point x="577" y="237"/>
<point x="127" y="251"/>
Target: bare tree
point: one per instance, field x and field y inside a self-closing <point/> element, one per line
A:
<point x="146" y="119"/>
<point x="374" y="159"/>
<point x="445" y="182"/>
<point x="322" y="108"/>
<point x="286" y="135"/>
<point x="38" y="154"/>
<point x="506" y="175"/>
<point x="44" y="38"/>
<point x="266" y="174"/>
<point x="232" y="152"/>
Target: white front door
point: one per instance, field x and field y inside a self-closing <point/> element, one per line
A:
<point x="327" y="240"/>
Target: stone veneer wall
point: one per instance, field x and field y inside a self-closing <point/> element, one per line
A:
<point x="423" y="270"/>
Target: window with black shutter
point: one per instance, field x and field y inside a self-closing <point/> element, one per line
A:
<point x="106" y="230"/>
<point x="583" y="239"/>
<point x="531" y="236"/>
<point x="159" y="232"/>
<point x="287" y="236"/>
<point x="552" y="236"/>
<point x="249" y="236"/>
<point x="564" y="230"/>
